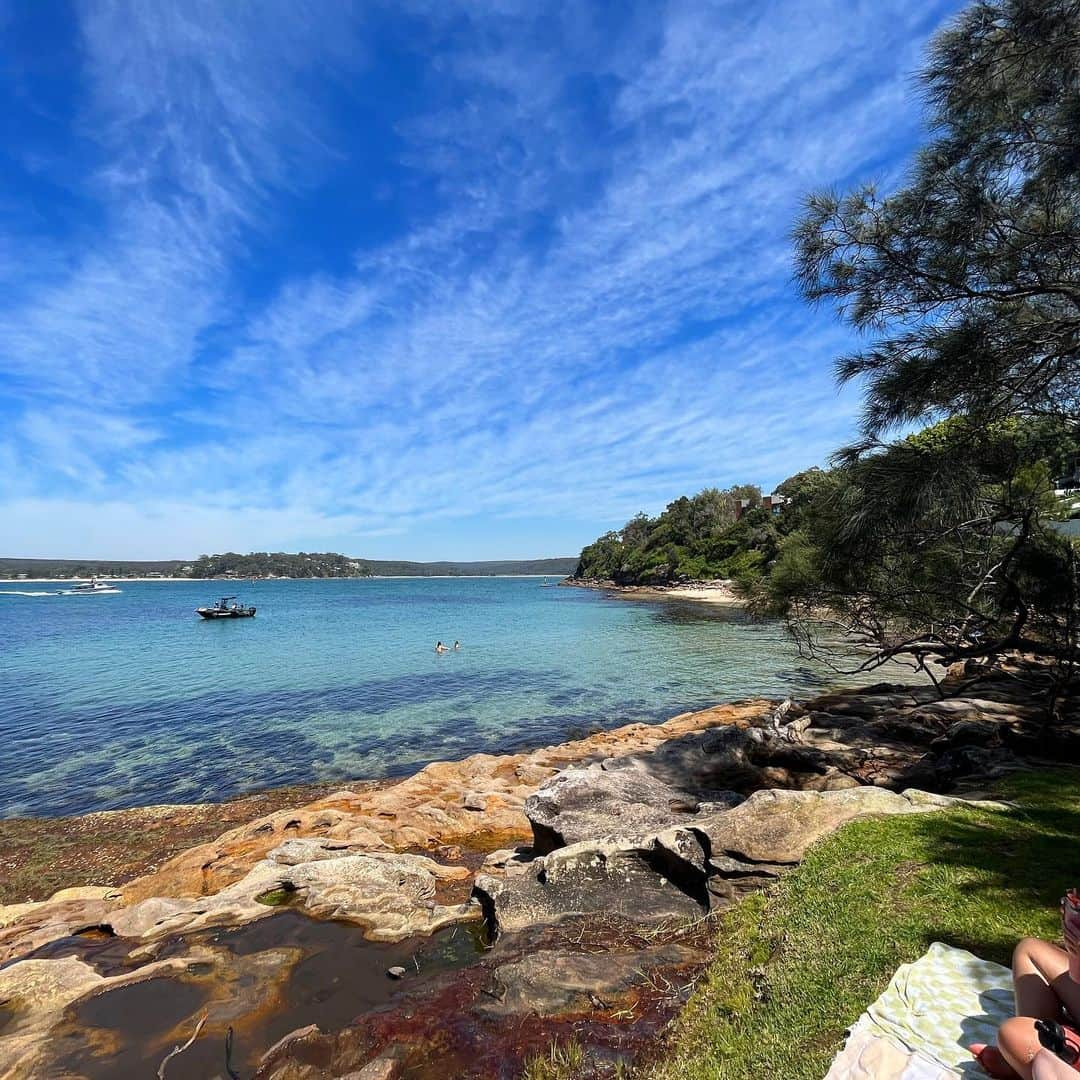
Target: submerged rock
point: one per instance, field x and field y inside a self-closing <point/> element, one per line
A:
<point x="556" y="983"/>
<point x="638" y="834"/>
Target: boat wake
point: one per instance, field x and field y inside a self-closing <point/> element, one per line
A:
<point x="17" y="592"/>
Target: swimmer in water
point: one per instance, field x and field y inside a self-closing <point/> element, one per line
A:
<point x="457" y="645"/>
<point x="440" y="647"/>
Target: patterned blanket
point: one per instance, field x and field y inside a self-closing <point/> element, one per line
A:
<point x="921" y="1027"/>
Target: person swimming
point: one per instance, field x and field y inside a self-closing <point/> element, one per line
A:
<point x="440" y="647"/>
<point x="457" y="645"/>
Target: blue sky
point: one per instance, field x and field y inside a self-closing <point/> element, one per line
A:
<point x="422" y="279"/>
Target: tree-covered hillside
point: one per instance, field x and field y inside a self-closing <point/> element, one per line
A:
<point x="895" y="533"/>
<point x="701" y="537"/>
<point x="330" y="564"/>
<point x="277" y="564"/>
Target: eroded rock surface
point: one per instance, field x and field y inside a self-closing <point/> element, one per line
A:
<point x="594" y="877"/>
<point x="436" y="807"/>
<point x="391" y="895"/>
<point x="637" y="835"/>
<point x="583" y="803"/>
<point x="715" y="855"/>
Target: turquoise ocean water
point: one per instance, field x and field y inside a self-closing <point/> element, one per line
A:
<point x="131" y="699"/>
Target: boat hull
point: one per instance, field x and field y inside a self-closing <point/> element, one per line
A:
<point x="211" y="613"/>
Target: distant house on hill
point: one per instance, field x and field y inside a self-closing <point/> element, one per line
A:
<point x="1069" y="484"/>
<point x="771" y="504"/>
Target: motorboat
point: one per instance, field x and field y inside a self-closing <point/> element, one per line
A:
<point x="228" y="607"/>
<point x="93" y="587"/>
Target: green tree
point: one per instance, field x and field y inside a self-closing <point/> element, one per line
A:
<point x="968" y="277"/>
<point x="967" y="281"/>
<point x="940" y="545"/>
<point x="696" y="537"/>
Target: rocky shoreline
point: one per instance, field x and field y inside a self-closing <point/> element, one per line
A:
<point x="497" y="904"/>
<point x="40" y="855"/>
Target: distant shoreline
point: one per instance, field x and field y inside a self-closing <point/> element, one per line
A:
<point x="244" y="580"/>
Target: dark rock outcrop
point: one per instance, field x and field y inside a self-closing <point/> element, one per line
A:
<point x="580" y="804"/>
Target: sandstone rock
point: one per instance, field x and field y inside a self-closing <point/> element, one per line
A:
<point x="391" y="895"/>
<point x="944" y="770"/>
<point x="39" y="923"/>
<point x="792" y="731"/>
<point x="582" y="804"/>
<point x="141" y="920"/>
<point x="290" y="1040"/>
<point x="36" y="995"/>
<point x="677" y="872"/>
<point x="610" y="878"/>
<point x="508" y="861"/>
<point x="554" y="983"/>
<point x="778" y="826"/>
<point x="654" y="833"/>
<point x="400" y="816"/>
<point x="680" y="855"/>
<point x="105" y="894"/>
<point x="295" y="852"/>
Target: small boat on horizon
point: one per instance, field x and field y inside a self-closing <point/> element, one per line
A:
<point x="93" y="587"/>
<point x="228" y="607"/>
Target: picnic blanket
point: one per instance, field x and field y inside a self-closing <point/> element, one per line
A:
<point x="921" y="1026"/>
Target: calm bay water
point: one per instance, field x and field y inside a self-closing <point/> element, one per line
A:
<point x="130" y="699"/>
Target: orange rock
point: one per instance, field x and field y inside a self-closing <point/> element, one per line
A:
<point x="426" y="810"/>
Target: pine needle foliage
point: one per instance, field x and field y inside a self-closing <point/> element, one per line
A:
<point x="967" y="279"/>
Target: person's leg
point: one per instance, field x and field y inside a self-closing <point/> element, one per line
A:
<point x="1038" y="971"/>
<point x="1041" y="981"/>
<point x="1018" y="1042"/>
<point x="1047" y="1067"/>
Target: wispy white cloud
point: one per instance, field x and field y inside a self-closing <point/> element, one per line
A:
<point x="592" y="315"/>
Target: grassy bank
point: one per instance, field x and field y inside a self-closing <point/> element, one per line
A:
<point x="795" y="966"/>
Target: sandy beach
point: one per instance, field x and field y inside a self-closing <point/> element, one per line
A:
<point x="718" y="591"/>
<point x="710" y="592"/>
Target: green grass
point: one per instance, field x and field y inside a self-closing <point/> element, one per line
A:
<point x="797" y="965"/>
<point x="563" y="1061"/>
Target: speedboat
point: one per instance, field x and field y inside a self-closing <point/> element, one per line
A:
<point x="228" y="607"/>
<point x="91" y="588"/>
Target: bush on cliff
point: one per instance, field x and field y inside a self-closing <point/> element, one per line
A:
<point x="707" y="536"/>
